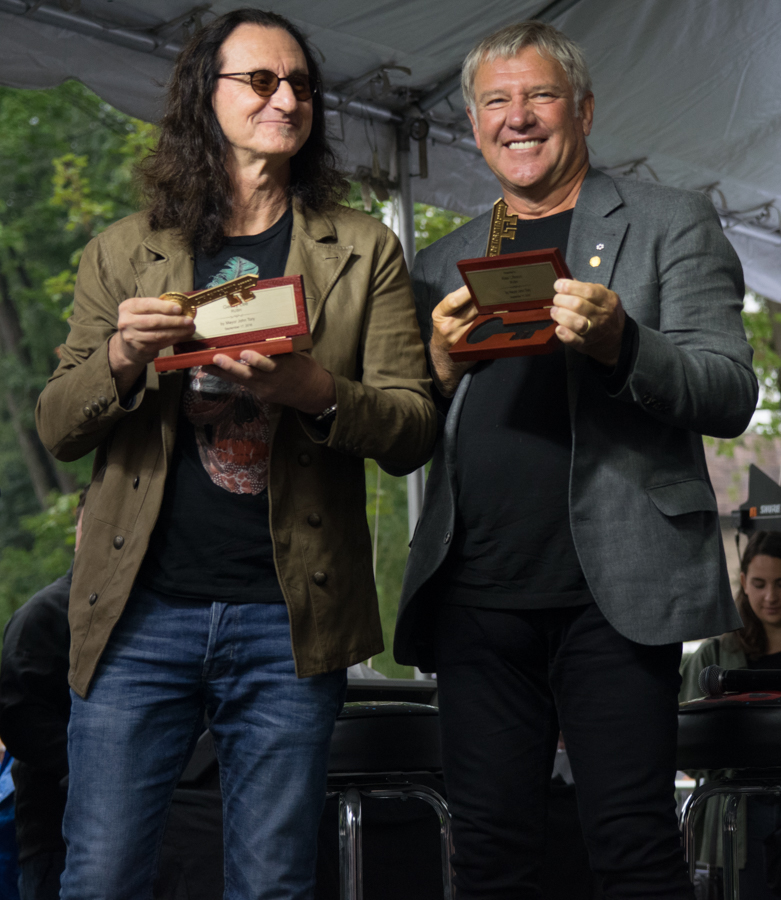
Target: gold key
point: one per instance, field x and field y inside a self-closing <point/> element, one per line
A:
<point x="503" y="228"/>
<point x="237" y="291"/>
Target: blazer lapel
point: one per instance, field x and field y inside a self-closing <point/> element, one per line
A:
<point x="319" y="260"/>
<point x="592" y="251"/>
<point x="594" y="240"/>
<point x="451" y="425"/>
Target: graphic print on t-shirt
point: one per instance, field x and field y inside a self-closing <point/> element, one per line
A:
<point x="231" y="425"/>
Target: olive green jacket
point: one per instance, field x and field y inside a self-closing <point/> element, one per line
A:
<point x="363" y="324"/>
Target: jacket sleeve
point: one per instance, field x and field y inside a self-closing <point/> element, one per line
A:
<point x="694" y="370"/>
<point x="80" y="404"/>
<point x="707" y="654"/>
<point x="387" y="414"/>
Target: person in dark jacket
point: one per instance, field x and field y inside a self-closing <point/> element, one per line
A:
<point x="34" y="711"/>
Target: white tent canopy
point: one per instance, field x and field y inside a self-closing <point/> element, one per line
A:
<point x="687" y="91"/>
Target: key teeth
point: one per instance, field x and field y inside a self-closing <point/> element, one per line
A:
<point x="235" y="290"/>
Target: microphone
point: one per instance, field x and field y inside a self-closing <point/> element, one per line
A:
<point x="715" y="681"/>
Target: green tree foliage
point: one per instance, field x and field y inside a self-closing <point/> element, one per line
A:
<point x="432" y="223"/>
<point x="66" y="161"/>
<point x="763" y="329"/>
<point x="66" y="173"/>
<point x="762" y="321"/>
<point x="386" y="510"/>
<point x="42" y="555"/>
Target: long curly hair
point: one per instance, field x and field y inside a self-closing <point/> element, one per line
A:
<point x="751" y="638"/>
<point x="185" y="179"/>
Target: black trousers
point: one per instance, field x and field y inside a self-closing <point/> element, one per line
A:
<point x="508" y="681"/>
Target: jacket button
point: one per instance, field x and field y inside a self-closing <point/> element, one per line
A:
<point x="93" y="599"/>
<point x="447" y="537"/>
<point x="95" y="407"/>
<point x="87" y="412"/>
<point x="314" y="520"/>
<point x="320" y="578"/>
<point x="119" y="542"/>
<point x="305" y="460"/>
<point x="103" y="402"/>
<point x="135" y="483"/>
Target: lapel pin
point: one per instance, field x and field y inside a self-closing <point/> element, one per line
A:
<point x="594" y="261"/>
<point x="600" y="246"/>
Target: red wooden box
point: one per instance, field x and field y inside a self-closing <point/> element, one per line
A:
<point x="229" y="325"/>
<point x="513" y="294"/>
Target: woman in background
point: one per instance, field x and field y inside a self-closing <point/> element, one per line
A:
<point x="755" y="646"/>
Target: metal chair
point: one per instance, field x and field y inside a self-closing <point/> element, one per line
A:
<point x="377" y="751"/>
<point x="740" y="732"/>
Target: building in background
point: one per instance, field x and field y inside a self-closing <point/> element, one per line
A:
<point x="729" y="474"/>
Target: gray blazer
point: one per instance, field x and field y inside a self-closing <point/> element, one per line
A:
<point x="642" y="510"/>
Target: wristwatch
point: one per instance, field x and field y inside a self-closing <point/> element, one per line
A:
<point x="327" y="416"/>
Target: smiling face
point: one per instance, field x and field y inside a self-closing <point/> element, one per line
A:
<point x="527" y="128"/>
<point x="762" y="585"/>
<point x="261" y="128"/>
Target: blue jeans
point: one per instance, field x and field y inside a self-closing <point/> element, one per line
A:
<point x="166" y="663"/>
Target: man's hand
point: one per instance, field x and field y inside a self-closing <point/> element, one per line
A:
<point x="590" y="319"/>
<point x="451" y="319"/>
<point x="290" y="379"/>
<point x="145" y="326"/>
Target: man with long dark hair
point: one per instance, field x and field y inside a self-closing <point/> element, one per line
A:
<point x="226" y="563"/>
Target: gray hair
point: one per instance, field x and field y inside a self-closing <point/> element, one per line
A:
<point x="510" y="40"/>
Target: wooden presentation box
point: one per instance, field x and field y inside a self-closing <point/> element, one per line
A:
<point x="268" y="317"/>
<point x="513" y="294"/>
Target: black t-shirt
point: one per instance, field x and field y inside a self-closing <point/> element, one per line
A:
<point x="513" y="545"/>
<point x="212" y="540"/>
<point x="770" y="661"/>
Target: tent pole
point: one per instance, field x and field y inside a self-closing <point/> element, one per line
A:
<point x="406" y="206"/>
<point x="416" y="479"/>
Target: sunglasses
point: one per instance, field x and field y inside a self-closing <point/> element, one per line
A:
<point x="266" y="83"/>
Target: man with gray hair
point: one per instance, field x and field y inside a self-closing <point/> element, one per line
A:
<point x="570" y="537"/>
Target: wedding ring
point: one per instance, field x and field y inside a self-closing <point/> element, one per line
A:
<point x="588" y="328"/>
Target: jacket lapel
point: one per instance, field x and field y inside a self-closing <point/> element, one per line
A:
<point x="592" y="251"/>
<point x="164" y="263"/>
<point x="316" y="256"/>
<point x="594" y="240"/>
